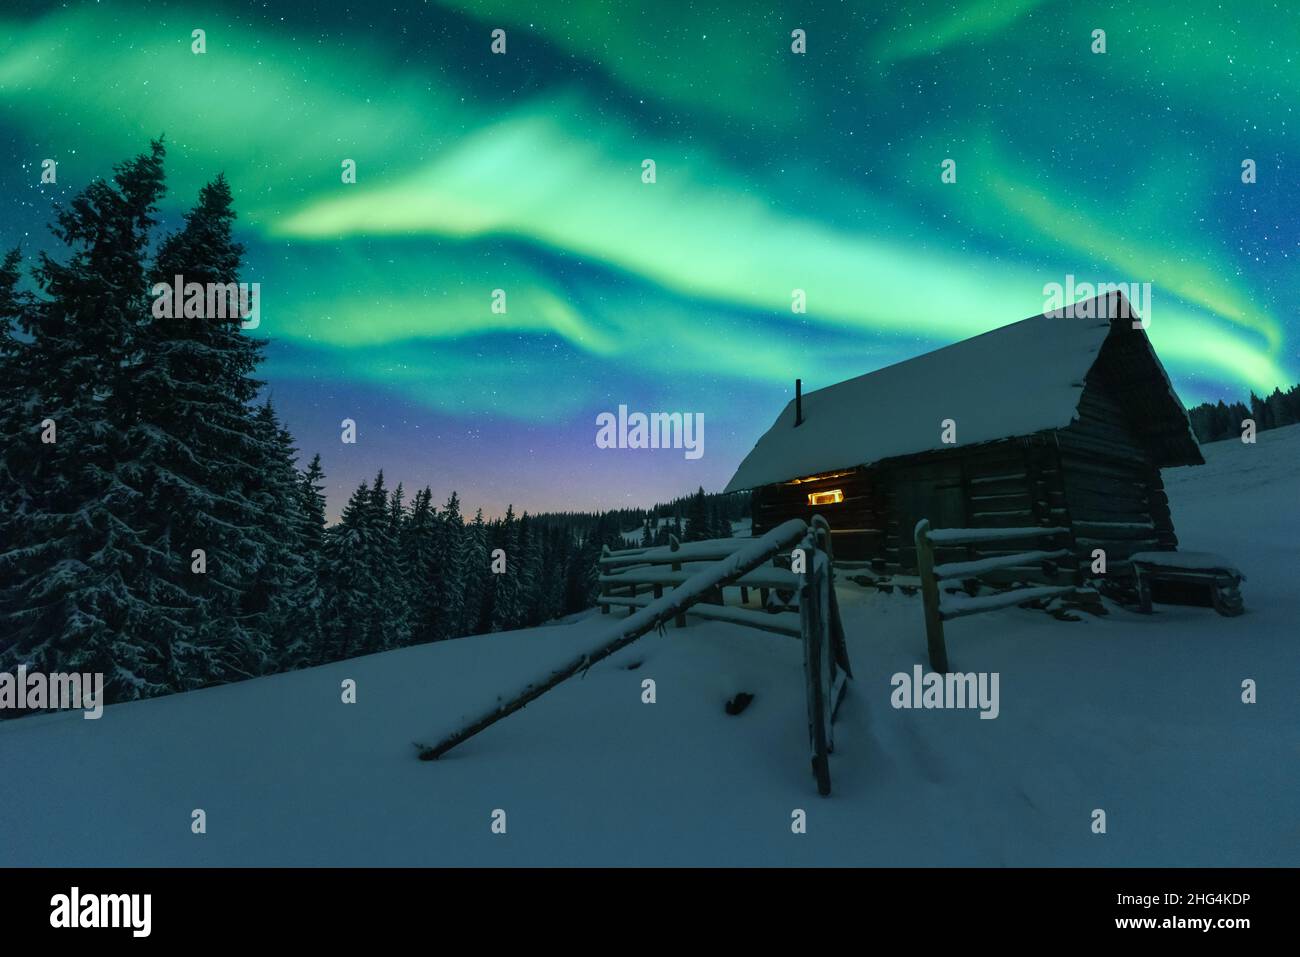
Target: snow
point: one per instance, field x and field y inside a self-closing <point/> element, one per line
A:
<point x="687" y="551"/>
<point x="973" y="569"/>
<point x="655" y="613"/>
<point x="785" y="622"/>
<point x="748" y="554"/>
<point x="1191" y="561"/>
<point x="956" y="606"/>
<point x="1138" y="715"/>
<point x="1017" y="380"/>
<point x="761" y="577"/>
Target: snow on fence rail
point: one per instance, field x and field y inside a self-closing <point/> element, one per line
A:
<point x="940" y="608"/>
<point x="623" y="573"/>
<point x="716" y="564"/>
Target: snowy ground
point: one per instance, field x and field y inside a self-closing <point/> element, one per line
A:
<point x="1140" y="716"/>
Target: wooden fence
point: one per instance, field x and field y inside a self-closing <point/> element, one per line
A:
<point x="691" y="578"/>
<point x="943" y="607"/>
<point x="626" y="573"/>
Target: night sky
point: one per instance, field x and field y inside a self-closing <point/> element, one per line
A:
<point x="775" y="171"/>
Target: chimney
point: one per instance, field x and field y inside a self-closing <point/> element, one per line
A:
<point x="798" y="403"/>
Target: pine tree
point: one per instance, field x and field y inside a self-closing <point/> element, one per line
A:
<point x="1279" y="410"/>
<point x="451" y="568"/>
<point x="16" y="418"/>
<point x="420" y="567"/>
<point x="697" y="518"/>
<point x="15" y="312"/>
<point x="311" y="490"/>
<point x="390" y="617"/>
<point x="205" y="464"/>
<point x="285" y="585"/>
<point x="554" y="562"/>
<point x="507" y="603"/>
<point x="396" y="511"/>
<point x="344" y="578"/>
<point x="721" y="524"/>
<point x="476" y="575"/>
<point x="530" y="574"/>
<point x="76" y="591"/>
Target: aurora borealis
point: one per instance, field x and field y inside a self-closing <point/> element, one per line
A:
<point x="774" y="172"/>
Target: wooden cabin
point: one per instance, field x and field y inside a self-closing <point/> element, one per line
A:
<point x="1059" y="421"/>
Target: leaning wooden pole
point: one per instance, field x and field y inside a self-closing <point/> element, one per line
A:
<point x="694" y="589"/>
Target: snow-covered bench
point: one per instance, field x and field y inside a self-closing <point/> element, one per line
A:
<point x="1205" y="569"/>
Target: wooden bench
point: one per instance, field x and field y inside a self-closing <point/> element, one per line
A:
<point x="1198" y="569"/>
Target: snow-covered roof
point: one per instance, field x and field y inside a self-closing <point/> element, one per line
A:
<point x="1023" y="378"/>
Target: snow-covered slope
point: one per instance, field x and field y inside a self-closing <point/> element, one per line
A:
<point x="1139" y="716"/>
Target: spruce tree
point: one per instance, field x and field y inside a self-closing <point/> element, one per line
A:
<point x="390" y="617"/>
<point x="15" y="313"/>
<point x="420" y="567"/>
<point x="280" y="630"/>
<point x="697" y="518"/>
<point x="311" y="491"/>
<point x="530" y="573"/>
<point x="452" y="565"/>
<point x="76" y="585"/>
<point x="507" y="603"/>
<point x="349" y="579"/>
<point x="218" y="508"/>
<point x="476" y="575"/>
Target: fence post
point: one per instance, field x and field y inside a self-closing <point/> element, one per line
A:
<point x="674" y="545"/>
<point x="812" y="618"/>
<point x="930" y="597"/>
<point x="604" y="586"/>
<point x="823" y="529"/>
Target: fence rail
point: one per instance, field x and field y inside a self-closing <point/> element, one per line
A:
<point x="624" y="573"/>
<point x="696" y="574"/>
<point x="940" y="608"/>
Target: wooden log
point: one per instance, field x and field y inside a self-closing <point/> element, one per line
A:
<point x="675" y="545"/>
<point x="708" y="551"/>
<point x="604" y="588"/>
<point x="628" y="630"/>
<point x="822" y="530"/>
<point x="648" y="575"/>
<point x="930" y="598"/>
<point x="780" y="623"/>
<point x="813" y="627"/>
<point x="955" y="606"/>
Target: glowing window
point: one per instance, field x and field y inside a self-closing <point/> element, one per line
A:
<point x="826" y="498"/>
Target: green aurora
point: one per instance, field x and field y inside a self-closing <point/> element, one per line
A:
<point x="775" y="172"/>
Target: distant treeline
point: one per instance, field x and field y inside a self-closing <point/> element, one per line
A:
<point x="691" y="518"/>
<point x="393" y="573"/>
<point x="1219" y="420"/>
<point x="156" y="522"/>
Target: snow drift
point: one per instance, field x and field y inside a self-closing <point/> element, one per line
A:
<point x="1140" y="716"/>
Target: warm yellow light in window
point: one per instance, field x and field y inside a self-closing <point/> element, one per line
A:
<point x="826" y="498"/>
